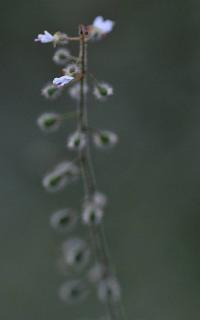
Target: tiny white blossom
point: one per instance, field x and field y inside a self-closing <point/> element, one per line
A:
<point x="100" y="27"/>
<point x="46" y="37"/>
<point x="61" y="81"/>
<point x="76" y="141"/>
<point x="102" y="90"/>
<point x="105" y="26"/>
<point x="61" y="56"/>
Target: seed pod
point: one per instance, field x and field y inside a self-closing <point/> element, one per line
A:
<point x="76" y="253"/>
<point x="108" y="289"/>
<point x="63" y="174"/>
<point x="51" y="92"/>
<point x="92" y="214"/>
<point x="72" y="69"/>
<point x="49" y="121"/>
<point x="76" y="141"/>
<point x="61" y="56"/>
<point x="63" y="220"/>
<point x="102" y="91"/>
<point x="105" y="139"/>
<point x="73" y="291"/>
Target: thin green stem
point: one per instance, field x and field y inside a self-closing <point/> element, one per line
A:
<point x="96" y="232"/>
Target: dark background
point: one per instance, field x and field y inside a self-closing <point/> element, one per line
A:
<point x="152" y="177"/>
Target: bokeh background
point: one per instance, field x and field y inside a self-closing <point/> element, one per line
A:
<point x="152" y="177"/>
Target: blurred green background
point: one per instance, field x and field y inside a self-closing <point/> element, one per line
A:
<point x="152" y="177"/>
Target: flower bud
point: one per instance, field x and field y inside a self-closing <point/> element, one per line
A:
<point x="105" y="139"/>
<point x="108" y="289"/>
<point x="51" y="91"/>
<point x="63" y="174"/>
<point x="63" y="220"/>
<point x="92" y="214"/>
<point x="73" y="291"/>
<point x="76" y="253"/>
<point x="49" y="121"/>
<point x="76" y="141"/>
<point x="61" y="56"/>
<point x="102" y="91"/>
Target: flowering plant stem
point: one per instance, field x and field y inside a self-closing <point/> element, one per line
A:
<point x="96" y="231"/>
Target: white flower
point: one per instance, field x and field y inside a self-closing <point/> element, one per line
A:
<point x="61" y="56"/>
<point x="45" y="38"/>
<point x="102" y="90"/>
<point x="61" y="81"/>
<point x="76" y="141"/>
<point x="105" y="26"/>
<point x="100" y="27"/>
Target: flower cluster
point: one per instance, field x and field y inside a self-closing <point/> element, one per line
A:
<point x="77" y="254"/>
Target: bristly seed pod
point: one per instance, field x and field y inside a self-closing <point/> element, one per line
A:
<point x="92" y="214"/>
<point x="108" y="289"/>
<point x="76" y="141"/>
<point x="72" y="69"/>
<point x="50" y="91"/>
<point x="61" y="56"/>
<point x="63" y="220"/>
<point x="49" y="121"/>
<point x="73" y="291"/>
<point x="102" y="91"/>
<point x="76" y="253"/>
<point x="105" y="139"/>
<point x="63" y="174"/>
